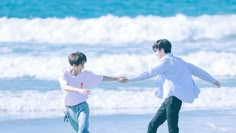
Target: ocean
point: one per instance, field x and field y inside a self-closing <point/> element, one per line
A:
<point x="36" y="38"/>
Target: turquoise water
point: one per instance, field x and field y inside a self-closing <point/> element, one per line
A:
<point x="97" y="8"/>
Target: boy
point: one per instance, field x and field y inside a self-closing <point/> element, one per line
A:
<point x="176" y="85"/>
<point x="77" y="84"/>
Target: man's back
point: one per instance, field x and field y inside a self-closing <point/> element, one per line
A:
<point x="179" y="80"/>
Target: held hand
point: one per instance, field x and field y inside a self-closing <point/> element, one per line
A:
<point x="123" y="80"/>
<point x="84" y="91"/>
<point x="217" y="83"/>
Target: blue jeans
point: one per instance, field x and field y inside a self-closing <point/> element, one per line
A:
<point x="78" y="117"/>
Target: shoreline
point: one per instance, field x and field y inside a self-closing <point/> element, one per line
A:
<point x="189" y="121"/>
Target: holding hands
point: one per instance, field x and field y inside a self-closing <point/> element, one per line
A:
<point x="123" y="79"/>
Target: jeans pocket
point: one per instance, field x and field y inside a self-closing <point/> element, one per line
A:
<point x="85" y="107"/>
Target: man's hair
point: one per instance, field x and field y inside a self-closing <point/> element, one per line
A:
<point x="77" y="58"/>
<point x="162" y="43"/>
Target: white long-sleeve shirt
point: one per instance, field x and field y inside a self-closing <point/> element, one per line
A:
<point x="174" y="78"/>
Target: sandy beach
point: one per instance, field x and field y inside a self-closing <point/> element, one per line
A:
<point x="212" y="121"/>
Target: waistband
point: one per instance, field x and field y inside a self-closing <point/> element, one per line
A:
<point x="76" y="104"/>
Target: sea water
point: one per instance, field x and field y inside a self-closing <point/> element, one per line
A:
<point x="36" y="38"/>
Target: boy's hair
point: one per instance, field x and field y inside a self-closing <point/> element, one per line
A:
<point x="162" y="43"/>
<point x="77" y="58"/>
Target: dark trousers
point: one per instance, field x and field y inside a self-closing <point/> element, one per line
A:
<point x="169" y="111"/>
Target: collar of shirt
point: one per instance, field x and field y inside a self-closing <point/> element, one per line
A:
<point x="166" y="56"/>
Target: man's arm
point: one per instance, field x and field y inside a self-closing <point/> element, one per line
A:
<point x="217" y="83"/>
<point x="200" y="73"/>
<point x="159" y="69"/>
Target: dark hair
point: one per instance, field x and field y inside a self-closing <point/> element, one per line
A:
<point x="162" y="43"/>
<point x="77" y="58"/>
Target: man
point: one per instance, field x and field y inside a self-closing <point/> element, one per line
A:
<point x="177" y="85"/>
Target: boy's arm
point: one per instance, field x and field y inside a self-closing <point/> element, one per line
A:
<point x="66" y="87"/>
<point x="108" y="78"/>
<point x="74" y="89"/>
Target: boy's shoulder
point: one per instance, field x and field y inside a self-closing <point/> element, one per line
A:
<point x="87" y="72"/>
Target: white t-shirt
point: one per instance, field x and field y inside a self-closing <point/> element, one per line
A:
<point x="85" y="79"/>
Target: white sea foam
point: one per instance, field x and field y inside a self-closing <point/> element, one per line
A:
<point x="39" y="47"/>
<point x="117" y="30"/>
<point x="114" y="101"/>
<point x="49" y="67"/>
